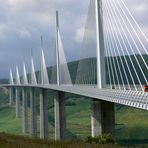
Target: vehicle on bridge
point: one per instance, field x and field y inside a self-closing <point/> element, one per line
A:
<point x="145" y="88"/>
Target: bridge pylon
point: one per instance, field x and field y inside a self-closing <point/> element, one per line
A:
<point x="25" y="110"/>
<point x="60" y="115"/>
<point x="17" y="94"/>
<point x="33" y="116"/>
<point x="57" y="50"/>
<point x="43" y="114"/>
<point x="101" y="76"/>
<point x="11" y="81"/>
<point x="103" y="117"/>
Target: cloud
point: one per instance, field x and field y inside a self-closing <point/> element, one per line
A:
<point x="24" y="33"/>
<point x="79" y="34"/>
<point x="2" y="30"/>
<point x="22" y="22"/>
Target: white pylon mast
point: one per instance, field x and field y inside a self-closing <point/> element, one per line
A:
<point x="25" y="80"/>
<point x="42" y="77"/>
<point x="44" y="73"/>
<point x="11" y="78"/>
<point x="101" y="76"/>
<point x="18" y="82"/>
<point x="57" y="49"/>
<point x="33" y="75"/>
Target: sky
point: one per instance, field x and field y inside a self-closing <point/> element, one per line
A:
<point x="22" y="22"/>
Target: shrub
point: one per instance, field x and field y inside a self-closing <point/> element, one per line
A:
<point x="90" y="139"/>
<point x="109" y="138"/>
<point x="101" y="139"/>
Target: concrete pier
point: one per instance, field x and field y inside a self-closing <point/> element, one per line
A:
<point x="43" y="114"/>
<point x="60" y="116"/>
<point x="10" y="96"/>
<point x="25" y="110"/>
<point x="109" y="117"/>
<point x="18" y="110"/>
<point x="33" y="117"/>
<point x="103" y="118"/>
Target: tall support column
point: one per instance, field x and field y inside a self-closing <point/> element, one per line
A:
<point x="33" y="120"/>
<point x="24" y="109"/>
<point x="101" y="80"/>
<point x="43" y="114"/>
<point x="17" y="94"/>
<point x="109" y="117"/>
<point x="96" y="118"/>
<point x="60" y="116"/>
<point x="10" y="96"/>
<point x="103" y="118"/>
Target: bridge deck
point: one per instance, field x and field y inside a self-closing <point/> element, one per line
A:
<point x="138" y="99"/>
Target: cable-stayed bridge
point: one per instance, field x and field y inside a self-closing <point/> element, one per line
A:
<point x="113" y="68"/>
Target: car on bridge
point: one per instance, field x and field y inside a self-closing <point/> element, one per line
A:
<point x="145" y="88"/>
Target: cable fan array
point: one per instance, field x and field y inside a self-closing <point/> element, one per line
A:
<point x="125" y="48"/>
<point x="87" y="67"/>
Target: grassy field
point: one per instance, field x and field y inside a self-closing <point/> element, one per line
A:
<point x="131" y="124"/>
<point x="8" y="122"/>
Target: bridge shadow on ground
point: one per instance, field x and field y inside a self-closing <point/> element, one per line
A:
<point x="69" y="134"/>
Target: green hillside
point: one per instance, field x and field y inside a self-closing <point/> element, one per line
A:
<point x="8" y="122"/>
<point x="3" y="96"/>
<point x="131" y="124"/>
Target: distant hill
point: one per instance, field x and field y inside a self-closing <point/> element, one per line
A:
<point x="90" y="65"/>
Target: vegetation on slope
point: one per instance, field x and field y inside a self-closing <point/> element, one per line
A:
<point x="3" y="96"/>
<point x="131" y="125"/>
<point x="8" y="122"/>
<point x="14" y="141"/>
